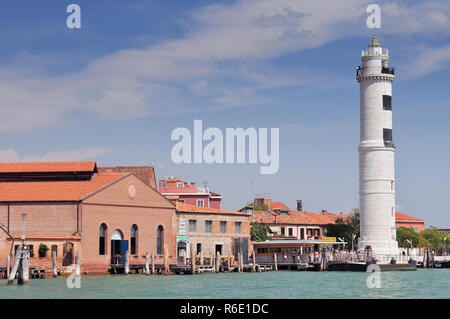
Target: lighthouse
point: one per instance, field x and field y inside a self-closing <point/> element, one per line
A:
<point x="376" y="152"/>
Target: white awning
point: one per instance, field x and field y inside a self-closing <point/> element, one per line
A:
<point x="275" y="229"/>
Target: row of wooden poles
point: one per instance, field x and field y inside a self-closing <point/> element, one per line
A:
<point x="149" y="266"/>
<point x="21" y="266"/>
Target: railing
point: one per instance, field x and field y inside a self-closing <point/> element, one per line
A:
<point x="360" y="71"/>
<point x="388" y="70"/>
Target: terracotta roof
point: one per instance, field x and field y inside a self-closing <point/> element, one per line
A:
<point x="186" y="208"/>
<point x="399" y="217"/>
<point x="145" y="173"/>
<point x="54" y="191"/>
<point x="295" y="217"/>
<point x="32" y="167"/>
<point x="278" y="205"/>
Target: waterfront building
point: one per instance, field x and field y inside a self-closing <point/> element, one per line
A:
<point x="211" y="231"/>
<point x="402" y="220"/>
<point x="289" y="223"/>
<point x="76" y="207"/>
<point x="175" y="189"/>
<point x="376" y="152"/>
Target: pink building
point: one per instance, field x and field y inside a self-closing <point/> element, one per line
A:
<point x="177" y="190"/>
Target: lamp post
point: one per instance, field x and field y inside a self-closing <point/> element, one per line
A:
<point x="409" y="242"/>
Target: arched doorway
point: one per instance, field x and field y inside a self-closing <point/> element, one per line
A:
<point x="160" y="240"/>
<point x="119" y="247"/>
<point x="182" y="250"/>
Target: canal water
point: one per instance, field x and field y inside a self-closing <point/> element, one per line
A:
<point x="423" y="283"/>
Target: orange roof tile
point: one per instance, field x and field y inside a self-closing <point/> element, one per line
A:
<point x="186" y="208"/>
<point x="278" y="205"/>
<point x="399" y="216"/>
<point x="31" y="167"/>
<point x="54" y="191"/>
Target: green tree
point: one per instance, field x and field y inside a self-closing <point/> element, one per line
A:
<point x="433" y="238"/>
<point x="345" y="228"/>
<point x="258" y="231"/>
<point x="262" y="207"/>
<point x="404" y="234"/>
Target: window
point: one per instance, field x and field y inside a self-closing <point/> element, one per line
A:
<point x="208" y="226"/>
<point x="282" y="231"/>
<point x="237" y="227"/>
<point x="392" y="185"/>
<point x="387" y="137"/>
<point x="180" y="184"/>
<point x="392" y="211"/>
<point x="302" y="233"/>
<point x="133" y="248"/>
<point x="102" y="239"/>
<point x="200" y="202"/>
<point x="192" y="225"/>
<point x="290" y="232"/>
<point x="159" y="240"/>
<point x="30" y="249"/>
<point x="199" y="248"/>
<point x="387" y="102"/>
<point x="223" y="227"/>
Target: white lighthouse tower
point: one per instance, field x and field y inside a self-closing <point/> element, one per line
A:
<point x="376" y="152"/>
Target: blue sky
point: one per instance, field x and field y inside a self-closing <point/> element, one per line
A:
<point x="114" y="90"/>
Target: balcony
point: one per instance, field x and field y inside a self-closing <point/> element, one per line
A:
<point x="388" y="71"/>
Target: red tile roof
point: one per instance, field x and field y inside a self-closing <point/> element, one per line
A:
<point x="403" y="217"/>
<point x="278" y="205"/>
<point x="145" y="173"/>
<point x="54" y="191"/>
<point x="186" y="208"/>
<point x="47" y="167"/>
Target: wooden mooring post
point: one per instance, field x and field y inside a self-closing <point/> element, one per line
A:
<point x="239" y="262"/>
<point x="24" y="269"/>
<point x="147" y="264"/>
<point x="166" y="260"/>
<point x="275" y="261"/>
<point x="15" y="266"/>
<point x="127" y="263"/>
<point x="229" y="263"/>
<point x="55" y="271"/>
<point x="8" y="267"/>
<point x="153" y="263"/>
<point x="77" y="264"/>
<point x="218" y="262"/>
<point x="192" y="259"/>
<point x="201" y="258"/>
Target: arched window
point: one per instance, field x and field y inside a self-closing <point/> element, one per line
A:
<point x="160" y="240"/>
<point x="102" y="239"/>
<point x="133" y="248"/>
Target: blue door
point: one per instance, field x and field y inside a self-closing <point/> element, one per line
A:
<point x="123" y="250"/>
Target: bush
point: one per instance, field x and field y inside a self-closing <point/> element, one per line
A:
<point x="43" y="250"/>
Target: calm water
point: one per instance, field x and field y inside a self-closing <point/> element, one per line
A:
<point x="423" y="283"/>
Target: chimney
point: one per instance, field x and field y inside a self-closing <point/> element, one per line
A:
<point x="299" y="205"/>
<point x="193" y="183"/>
<point x="324" y="210"/>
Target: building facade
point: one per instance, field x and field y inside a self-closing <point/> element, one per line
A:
<point x="178" y="190"/>
<point x="71" y="207"/>
<point x="210" y="231"/>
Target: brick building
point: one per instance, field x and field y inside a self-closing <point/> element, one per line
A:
<point x="402" y="220"/>
<point x="212" y="230"/>
<point x="73" y="206"/>
<point x="175" y="189"/>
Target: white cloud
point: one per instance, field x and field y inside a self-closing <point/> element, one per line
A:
<point x="82" y="154"/>
<point x="430" y="60"/>
<point x="221" y="49"/>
